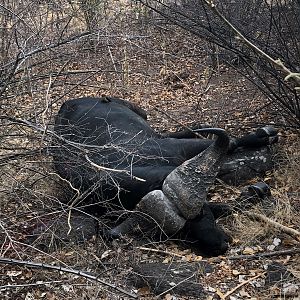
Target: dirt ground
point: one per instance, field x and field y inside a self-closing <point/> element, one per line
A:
<point x="168" y="72"/>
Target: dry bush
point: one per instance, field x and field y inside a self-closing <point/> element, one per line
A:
<point x="252" y="232"/>
<point x="273" y="27"/>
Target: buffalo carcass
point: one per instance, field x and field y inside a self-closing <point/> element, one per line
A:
<point x="111" y="154"/>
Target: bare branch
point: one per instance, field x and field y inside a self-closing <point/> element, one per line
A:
<point x="101" y="168"/>
<point x="241" y="37"/>
<point x="266" y="254"/>
<point x="31" y="264"/>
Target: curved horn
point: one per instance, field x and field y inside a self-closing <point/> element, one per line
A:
<point x="184" y="189"/>
<point x="187" y="185"/>
<point x="222" y="136"/>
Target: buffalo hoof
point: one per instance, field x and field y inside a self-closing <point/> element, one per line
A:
<point x="267" y="133"/>
<point x="259" y="189"/>
<point x="258" y="193"/>
<point x="254" y="193"/>
<point x="126" y="227"/>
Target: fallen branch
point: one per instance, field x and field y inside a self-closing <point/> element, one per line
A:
<point x="265" y="254"/>
<point x="224" y="296"/>
<point x="160" y="251"/>
<point x="4" y="159"/>
<point x="176" y="285"/>
<point x="293" y="232"/>
<point x="31" y="264"/>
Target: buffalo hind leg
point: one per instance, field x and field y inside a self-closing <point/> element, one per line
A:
<point x="260" y="138"/>
<point x="245" y="164"/>
<point x="250" y="196"/>
<point x="166" y="216"/>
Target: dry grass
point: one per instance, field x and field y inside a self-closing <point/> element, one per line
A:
<point x="287" y="174"/>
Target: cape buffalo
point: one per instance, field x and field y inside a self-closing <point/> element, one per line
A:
<point x="109" y="152"/>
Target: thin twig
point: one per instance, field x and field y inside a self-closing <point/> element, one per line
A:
<point x="50" y="46"/>
<point x="276" y="62"/>
<point x="160" y="251"/>
<point x="224" y="296"/>
<point x="265" y="254"/>
<point x="6" y="158"/>
<point x="173" y="287"/>
<point x="179" y="123"/>
<point x="31" y="264"/>
<point x="67" y="181"/>
<point x="14" y="286"/>
<point x="293" y="232"/>
<point x="112" y="170"/>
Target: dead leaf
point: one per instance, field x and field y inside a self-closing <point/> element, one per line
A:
<point x="106" y="254"/>
<point x="166" y="260"/>
<point x="243" y="293"/>
<point x="144" y="291"/>
<point x="235" y="272"/>
<point x="14" y="273"/>
<point x="220" y="294"/>
<point x="198" y="258"/>
<point x="169" y="297"/>
<point x="248" y="251"/>
<point x="189" y="257"/>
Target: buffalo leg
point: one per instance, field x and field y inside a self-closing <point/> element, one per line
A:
<point x="250" y="195"/>
<point x="166" y="216"/>
<point x="240" y="166"/>
<point x="260" y="138"/>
